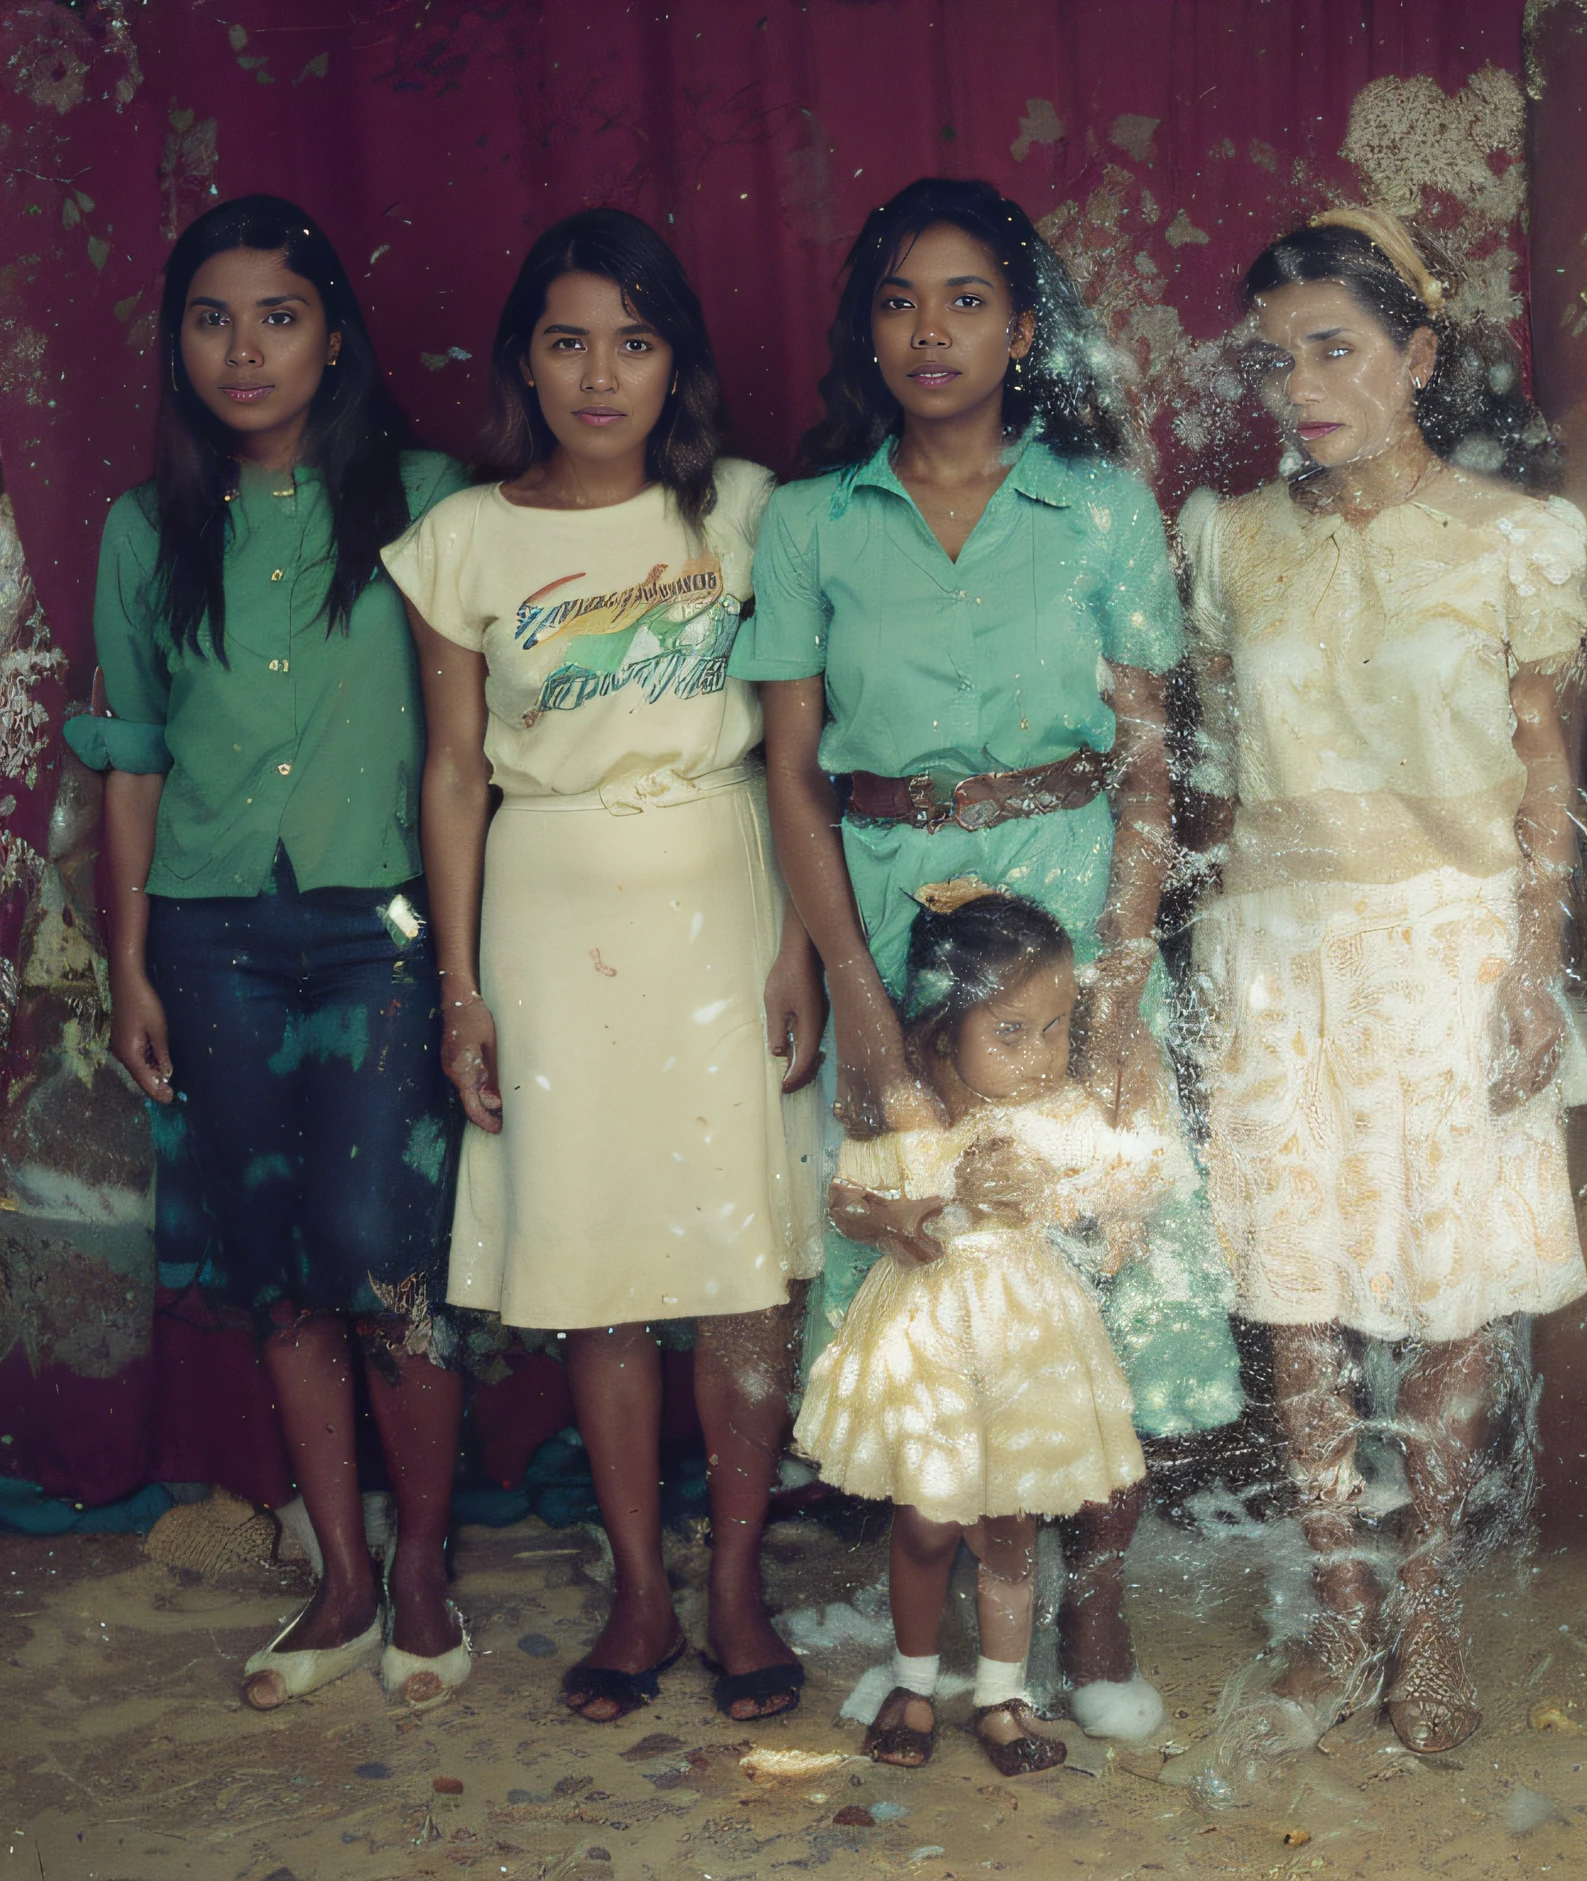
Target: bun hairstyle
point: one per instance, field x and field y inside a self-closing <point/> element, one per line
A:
<point x="966" y="949"/>
<point x="1061" y="387"/>
<point x="354" y="435"/>
<point x="682" y="450"/>
<point x="1473" y="412"/>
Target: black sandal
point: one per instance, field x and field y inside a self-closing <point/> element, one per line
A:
<point x="784" y="1680"/>
<point x="1025" y="1755"/>
<point x="627" y="1690"/>
<point x="896" y="1743"/>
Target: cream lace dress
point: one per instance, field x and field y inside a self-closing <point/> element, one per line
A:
<point x="984" y="1383"/>
<point x="1361" y="713"/>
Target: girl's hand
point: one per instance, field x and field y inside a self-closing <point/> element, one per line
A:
<point x="796" y="1009"/>
<point x="468" y="1057"/>
<point x="896" y="1225"/>
<point x="994" y="1181"/>
<point x="138" y="1037"/>
<point x="1529" y="1039"/>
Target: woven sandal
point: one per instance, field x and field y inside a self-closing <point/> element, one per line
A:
<point x="894" y="1742"/>
<point x="1025" y="1755"/>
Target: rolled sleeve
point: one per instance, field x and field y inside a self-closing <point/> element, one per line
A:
<point x="1142" y="623"/>
<point x="786" y="636"/>
<point x="429" y="564"/>
<point x="131" y="656"/>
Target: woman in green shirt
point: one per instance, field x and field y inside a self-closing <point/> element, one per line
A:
<point x="273" y="989"/>
<point x="969" y="615"/>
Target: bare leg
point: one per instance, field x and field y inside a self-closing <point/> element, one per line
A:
<point x="310" y="1368"/>
<point x="615" y="1377"/>
<point x="1005" y="1599"/>
<point x="920" y="1562"/>
<point x="1446" y="1413"/>
<point x="418" y="1416"/>
<point x="1313" y="1378"/>
<point x="1092" y="1629"/>
<point x="743" y="1370"/>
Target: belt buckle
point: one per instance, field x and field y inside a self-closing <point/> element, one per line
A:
<point x="929" y="814"/>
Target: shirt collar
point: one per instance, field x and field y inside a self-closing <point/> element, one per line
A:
<point x="1036" y="473"/>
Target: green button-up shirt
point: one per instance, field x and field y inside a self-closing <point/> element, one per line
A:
<point x="994" y="662"/>
<point x="306" y="738"/>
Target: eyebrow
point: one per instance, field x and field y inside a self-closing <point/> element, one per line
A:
<point x="638" y="326"/>
<point x="953" y="280"/>
<point x="1329" y="333"/>
<point x="273" y="300"/>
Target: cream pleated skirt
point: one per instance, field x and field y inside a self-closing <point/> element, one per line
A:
<point x="1357" y="1172"/>
<point x="982" y="1384"/>
<point x="648" y="1166"/>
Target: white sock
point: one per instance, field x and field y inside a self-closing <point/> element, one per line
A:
<point x="916" y="1675"/>
<point x="999" y="1682"/>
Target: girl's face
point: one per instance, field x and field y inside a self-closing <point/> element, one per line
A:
<point x="600" y="371"/>
<point x="255" y="345"/>
<point x="1014" y="1048"/>
<point x="1336" y="379"/>
<point x="943" y="326"/>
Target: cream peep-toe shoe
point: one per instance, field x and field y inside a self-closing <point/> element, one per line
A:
<point x="301" y="1672"/>
<point x="424" y="1682"/>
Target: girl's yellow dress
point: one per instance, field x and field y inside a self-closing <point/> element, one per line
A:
<point x="985" y="1383"/>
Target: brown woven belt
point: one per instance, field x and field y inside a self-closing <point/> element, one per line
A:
<point x="979" y="802"/>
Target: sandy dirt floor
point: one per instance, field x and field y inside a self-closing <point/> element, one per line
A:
<point x="129" y="1757"/>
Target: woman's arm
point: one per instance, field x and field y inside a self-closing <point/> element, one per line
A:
<point x="876" y="1088"/>
<point x="1142" y="839"/>
<point x="137" y="1018"/>
<point x="1532" y="1025"/>
<point x="454" y="812"/>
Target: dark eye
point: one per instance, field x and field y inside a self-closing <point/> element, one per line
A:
<point x="210" y="317"/>
<point x="1338" y="352"/>
<point x="969" y="300"/>
<point x="566" y="343"/>
<point x="894" y="303"/>
<point x="280" y="317"/>
<point x="637" y="345"/>
<point x="1011" y="1028"/>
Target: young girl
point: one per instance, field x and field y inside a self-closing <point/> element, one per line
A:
<point x="634" y="1156"/>
<point x="1391" y="644"/>
<point x="269" y="965"/>
<point x="980" y="1390"/>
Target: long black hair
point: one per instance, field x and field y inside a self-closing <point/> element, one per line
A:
<point x="1061" y="385"/>
<point x="961" y="957"/>
<point x="354" y="435"/>
<point x="1473" y="410"/>
<point x="681" y="451"/>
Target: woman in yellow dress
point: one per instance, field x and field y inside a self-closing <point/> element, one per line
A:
<point x="617" y="1004"/>
<point x="1389" y="642"/>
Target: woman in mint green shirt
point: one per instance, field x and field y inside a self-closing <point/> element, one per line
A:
<point x="273" y="988"/>
<point x="969" y="615"/>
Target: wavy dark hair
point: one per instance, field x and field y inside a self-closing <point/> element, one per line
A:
<point x="963" y="958"/>
<point x="1473" y="410"/>
<point x="681" y="451"/>
<point x="354" y="436"/>
<point x="1061" y="387"/>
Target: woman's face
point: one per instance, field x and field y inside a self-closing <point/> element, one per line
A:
<point x="255" y="345"/>
<point x="601" y="372"/>
<point x="1014" y="1048"/>
<point x="1336" y="379"/>
<point x="943" y="326"/>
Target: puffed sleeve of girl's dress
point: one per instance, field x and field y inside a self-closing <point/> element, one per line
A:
<point x="131" y="656"/>
<point x="1546" y="609"/>
<point x="1141" y="619"/>
<point x="786" y="636"/>
<point x="430" y="563"/>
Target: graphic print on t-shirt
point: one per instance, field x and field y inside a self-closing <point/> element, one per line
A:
<point x="667" y="633"/>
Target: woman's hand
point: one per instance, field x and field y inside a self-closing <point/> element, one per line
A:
<point x="138" y="1036"/>
<point x="468" y="1057"/>
<point x="1118" y="1050"/>
<point x="896" y="1225"/>
<point x="1122" y="1243"/>
<point x="993" y="1181"/>
<point x="1529" y="1037"/>
<point x="878" y="1088"/>
<point x="796" y="1005"/>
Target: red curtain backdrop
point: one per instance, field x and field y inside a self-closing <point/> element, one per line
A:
<point x="1161" y="142"/>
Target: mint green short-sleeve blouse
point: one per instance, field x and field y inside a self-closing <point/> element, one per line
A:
<point x="995" y="662"/>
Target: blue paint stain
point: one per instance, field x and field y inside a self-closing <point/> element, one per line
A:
<point x="337" y="1032"/>
<point x="426" y="1151"/>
